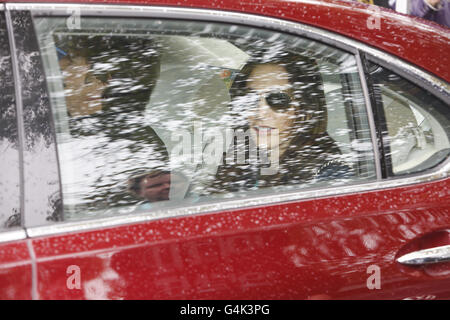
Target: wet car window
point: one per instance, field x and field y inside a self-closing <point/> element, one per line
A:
<point x="417" y="124"/>
<point x="153" y="114"/>
<point x="9" y="140"/>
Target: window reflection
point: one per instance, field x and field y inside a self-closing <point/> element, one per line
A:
<point x="417" y="123"/>
<point x="9" y="141"/>
<point x="107" y="82"/>
<point x="287" y="120"/>
<point x="149" y="116"/>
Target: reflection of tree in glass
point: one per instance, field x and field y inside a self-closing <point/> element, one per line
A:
<point x="55" y="207"/>
<point x="36" y="113"/>
<point x="9" y="141"/>
<point x="8" y="117"/>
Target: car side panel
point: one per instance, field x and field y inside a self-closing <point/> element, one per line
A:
<point x="15" y="271"/>
<point x="314" y="249"/>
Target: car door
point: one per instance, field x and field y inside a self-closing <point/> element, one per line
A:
<point x="15" y="260"/>
<point x="96" y="235"/>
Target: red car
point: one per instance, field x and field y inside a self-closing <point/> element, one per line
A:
<point x="116" y="123"/>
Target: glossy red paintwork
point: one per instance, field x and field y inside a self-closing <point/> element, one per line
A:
<point x="418" y="41"/>
<point x="307" y="249"/>
<point x="15" y="271"/>
<point x="318" y="248"/>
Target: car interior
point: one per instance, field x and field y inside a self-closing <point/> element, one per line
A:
<point x="192" y="93"/>
<point x="414" y="135"/>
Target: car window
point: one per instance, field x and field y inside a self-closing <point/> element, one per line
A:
<point x="9" y="141"/>
<point x="417" y="124"/>
<point x="152" y="114"/>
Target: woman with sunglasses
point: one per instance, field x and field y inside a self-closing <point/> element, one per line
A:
<point x="283" y="104"/>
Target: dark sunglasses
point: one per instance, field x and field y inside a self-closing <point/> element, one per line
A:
<point x="278" y="101"/>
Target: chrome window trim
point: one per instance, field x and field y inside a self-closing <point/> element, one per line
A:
<point x="8" y="235"/>
<point x="440" y="172"/>
<point x="438" y="86"/>
<point x="12" y="235"/>
<point x="247" y="203"/>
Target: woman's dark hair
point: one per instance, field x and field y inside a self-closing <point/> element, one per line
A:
<point x="307" y="83"/>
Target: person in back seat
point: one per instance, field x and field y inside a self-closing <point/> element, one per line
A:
<point x="281" y="103"/>
<point x="108" y="81"/>
<point x="155" y="186"/>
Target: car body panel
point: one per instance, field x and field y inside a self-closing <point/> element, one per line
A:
<point x="318" y="248"/>
<point x="15" y="271"/>
<point x="302" y="250"/>
<point x="394" y="33"/>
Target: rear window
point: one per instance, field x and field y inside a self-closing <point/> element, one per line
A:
<point x="416" y="123"/>
<point x="153" y="114"/>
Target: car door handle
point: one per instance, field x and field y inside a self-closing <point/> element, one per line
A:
<point x="426" y="256"/>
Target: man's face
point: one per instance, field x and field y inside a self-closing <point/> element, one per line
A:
<point x="83" y="91"/>
<point x="155" y="188"/>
